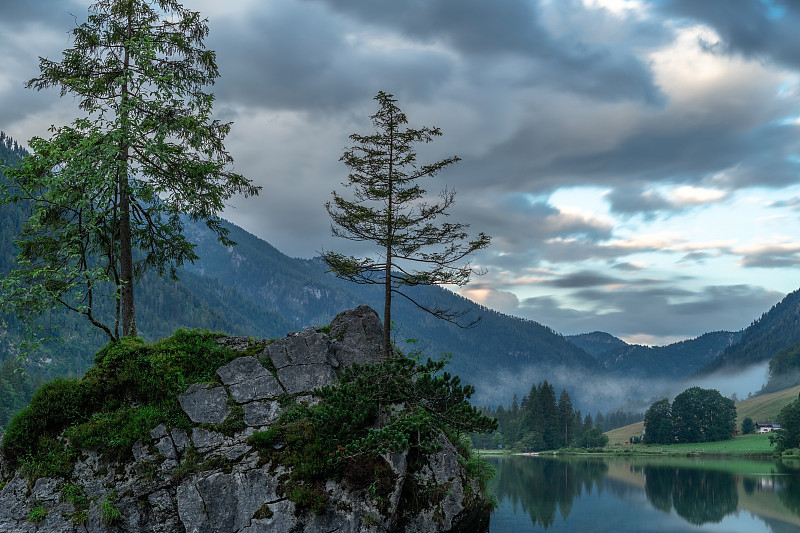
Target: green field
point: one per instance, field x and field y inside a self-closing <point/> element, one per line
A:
<point x="744" y="445"/>
<point x="760" y="409"/>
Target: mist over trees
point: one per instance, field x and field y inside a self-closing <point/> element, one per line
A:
<point x="540" y="422"/>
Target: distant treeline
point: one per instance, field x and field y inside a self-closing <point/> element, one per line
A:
<point x="540" y="422"/>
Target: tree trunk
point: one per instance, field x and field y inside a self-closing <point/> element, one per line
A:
<point x="125" y="241"/>
<point x="387" y="287"/>
<point x="126" y="261"/>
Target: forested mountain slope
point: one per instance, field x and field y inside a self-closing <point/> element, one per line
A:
<point x="253" y="289"/>
<point x="673" y="361"/>
<point x="777" y="329"/>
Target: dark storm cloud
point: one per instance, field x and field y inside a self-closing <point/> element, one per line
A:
<point x="630" y="201"/>
<point x="513" y="28"/>
<point x="520" y="225"/>
<point x="297" y="56"/>
<point x="752" y="28"/>
<point x="660" y="311"/>
<point x="729" y="146"/>
<point x="49" y="12"/>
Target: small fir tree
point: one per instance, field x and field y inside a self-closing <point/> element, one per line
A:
<point x="391" y="211"/>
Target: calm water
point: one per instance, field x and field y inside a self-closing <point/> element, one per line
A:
<point x="641" y="494"/>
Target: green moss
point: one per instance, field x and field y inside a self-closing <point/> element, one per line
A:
<point x="52" y="459"/>
<point x="234" y="423"/>
<point x="263" y="513"/>
<point x="75" y="495"/>
<point x="132" y="388"/>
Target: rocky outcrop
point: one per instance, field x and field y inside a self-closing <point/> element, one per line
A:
<point x="209" y="480"/>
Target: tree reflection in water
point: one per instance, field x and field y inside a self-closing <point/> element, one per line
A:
<point x="544" y="486"/>
<point x="624" y="494"/>
<point x="698" y="496"/>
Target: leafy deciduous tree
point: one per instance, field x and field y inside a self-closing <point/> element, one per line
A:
<point x="789" y="435"/>
<point x="390" y="210"/>
<point x="107" y="192"/>
<point x="658" y="423"/>
<point x="703" y="415"/>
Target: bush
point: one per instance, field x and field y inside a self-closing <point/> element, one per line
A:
<point x="385" y="407"/>
<point x="132" y="388"/>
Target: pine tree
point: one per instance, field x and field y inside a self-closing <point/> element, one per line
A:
<point x="108" y="191"/>
<point x="391" y="211"/>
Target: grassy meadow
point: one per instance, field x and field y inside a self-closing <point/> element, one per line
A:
<point x="760" y="409"/>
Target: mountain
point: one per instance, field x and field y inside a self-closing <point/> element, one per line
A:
<point x="598" y="343"/>
<point x="777" y="329"/>
<point x="254" y="289"/>
<point x="302" y="292"/>
<point x="674" y="361"/>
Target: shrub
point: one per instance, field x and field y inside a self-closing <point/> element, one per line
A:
<point x="410" y="402"/>
<point x="132" y="388"/>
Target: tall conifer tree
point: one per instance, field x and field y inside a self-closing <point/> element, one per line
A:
<point x="108" y="191"/>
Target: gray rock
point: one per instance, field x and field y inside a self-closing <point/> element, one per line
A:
<point x="164" y="512"/>
<point x="166" y="447"/>
<point x="159" y="432"/>
<point x="358" y="336"/>
<point x="241" y="369"/>
<point x="309" y="347"/>
<point x="259" y="388"/>
<point x="180" y="439"/>
<point x="306" y="378"/>
<point x="258" y="414"/>
<point x="205" y="440"/>
<point x="157" y="494"/>
<point x="223" y="502"/>
<point x="205" y="404"/>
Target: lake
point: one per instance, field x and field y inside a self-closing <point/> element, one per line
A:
<point x="645" y="494"/>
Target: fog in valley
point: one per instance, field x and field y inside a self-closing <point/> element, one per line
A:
<point x="591" y="393"/>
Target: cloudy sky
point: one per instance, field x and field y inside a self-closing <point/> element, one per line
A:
<point x="637" y="163"/>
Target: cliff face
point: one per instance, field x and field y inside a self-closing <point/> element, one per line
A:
<point x="207" y="478"/>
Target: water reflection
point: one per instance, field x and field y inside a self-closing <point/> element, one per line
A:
<point x="521" y="482"/>
<point x="675" y="494"/>
<point x="698" y="496"/>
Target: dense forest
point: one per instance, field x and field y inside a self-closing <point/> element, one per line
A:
<point x="784" y="369"/>
<point x="540" y="422"/>
<point x="773" y="331"/>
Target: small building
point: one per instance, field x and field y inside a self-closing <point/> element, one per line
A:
<point x="767" y="427"/>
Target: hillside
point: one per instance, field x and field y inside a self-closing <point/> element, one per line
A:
<point x="775" y="330"/>
<point x="763" y="408"/>
<point x="254" y="289"/>
<point x="674" y="361"/>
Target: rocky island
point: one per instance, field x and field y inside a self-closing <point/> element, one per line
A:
<point x="229" y="459"/>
